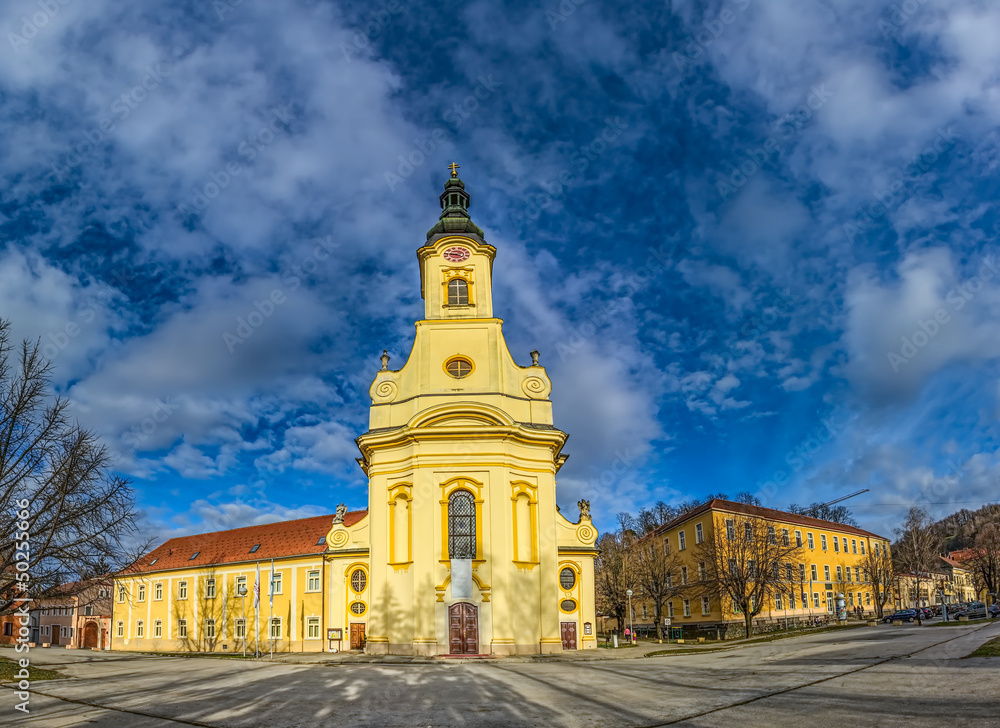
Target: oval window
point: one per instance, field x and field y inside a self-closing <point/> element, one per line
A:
<point x="358" y="608"/>
<point x="458" y="367"/>
<point x="567" y="605"/>
<point x="567" y="578"/>
<point x="359" y="581"/>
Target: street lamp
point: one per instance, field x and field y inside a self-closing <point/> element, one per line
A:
<point x="628" y="593"/>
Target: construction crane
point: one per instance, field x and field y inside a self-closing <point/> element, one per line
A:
<point x="815" y="508"/>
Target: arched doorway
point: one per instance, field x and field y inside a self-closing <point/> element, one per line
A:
<point x="463" y="629"/>
<point x="90" y="635"/>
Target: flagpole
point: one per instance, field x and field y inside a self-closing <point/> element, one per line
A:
<point x="270" y="620"/>
<point x="256" y="613"/>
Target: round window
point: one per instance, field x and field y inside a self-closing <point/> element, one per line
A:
<point x="358" y="608"/>
<point x="567" y="605"/>
<point x="567" y="578"/>
<point x="359" y="580"/>
<point x="458" y="367"/>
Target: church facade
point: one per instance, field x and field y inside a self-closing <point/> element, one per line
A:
<point x="462" y="550"/>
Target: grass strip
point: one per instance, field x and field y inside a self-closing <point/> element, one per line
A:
<point x="9" y="670"/>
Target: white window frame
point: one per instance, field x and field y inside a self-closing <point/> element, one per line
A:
<point x="814" y="572"/>
<point x="158" y="628"/>
<point x="275" y="622"/>
<point x="182" y="629"/>
<point x="276" y="584"/>
<point x="699" y="533"/>
<point x="120" y="628"/>
<point x="313" y="622"/>
<point x="822" y="541"/>
<point x="240" y="627"/>
<point x="142" y="593"/>
<point x="681" y="540"/>
<point x="209" y="629"/>
<point x="798" y="538"/>
<point x="210" y="588"/>
<point x="826" y="573"/>
<point x="158" y="591"/>
<point x="313" y="575"/>
<point x="139" y="629"/>
<point x="687" y="607"/>
<point x="810" y="541"/>
<point x="706" y="606"/>
<point x="182" y="590"/>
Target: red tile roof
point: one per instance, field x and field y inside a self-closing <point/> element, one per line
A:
<point x="769" y="513"/>
<point x="963" y="555"/>
<point x="952" y="562"/>
<point x="276" y="540"/>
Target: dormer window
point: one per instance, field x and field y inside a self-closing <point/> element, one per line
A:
<point x="458" y="292"/>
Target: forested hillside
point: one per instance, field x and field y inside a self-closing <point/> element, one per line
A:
<point x="958" y="531"/>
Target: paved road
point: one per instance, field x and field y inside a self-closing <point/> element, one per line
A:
<point x="882" y="676"/>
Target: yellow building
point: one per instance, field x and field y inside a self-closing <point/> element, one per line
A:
<point x="825" y="559"/>
<point x="961" y="585"/>
<point x="462" y="549"/>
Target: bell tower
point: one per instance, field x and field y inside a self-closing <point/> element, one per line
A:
<point x="468" y="552"/>
<point x="456" y="278"/>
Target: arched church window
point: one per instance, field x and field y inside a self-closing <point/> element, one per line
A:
<point x="359" y="580"/>
<point x="461" y="525"/>
<point x="567" y="578"/>
<point x="458" y="292"/>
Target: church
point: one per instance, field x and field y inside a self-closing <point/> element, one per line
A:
<point x="462" y="550"/>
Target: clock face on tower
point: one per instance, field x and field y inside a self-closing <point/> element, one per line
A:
<point x="456" y="255"/>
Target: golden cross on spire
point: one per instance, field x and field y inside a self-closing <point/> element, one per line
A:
<point x="454" y="169"/>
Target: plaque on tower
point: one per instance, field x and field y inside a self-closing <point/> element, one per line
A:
<point x="461" y="578"/>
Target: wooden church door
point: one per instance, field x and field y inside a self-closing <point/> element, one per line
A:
<point x="463" y="626"/>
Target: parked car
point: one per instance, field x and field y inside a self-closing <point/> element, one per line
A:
<point x="993" y="610"/>
<point x="975" y="610"/>
<point x="926" y="612"/>
<point x="903" y="615"/>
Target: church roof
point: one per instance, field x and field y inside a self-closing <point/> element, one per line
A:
<point x="273" y="541"/>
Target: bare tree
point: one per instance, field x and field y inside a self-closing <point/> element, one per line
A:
<point x="746" y="561"/>
<point x="985" y="561"/>
<point x="880" y="573"/>
<point x="63" y="515"/>
<point x="916" y="550"/>
<point x="614" y="572"/>
<point x="657" y="573"/>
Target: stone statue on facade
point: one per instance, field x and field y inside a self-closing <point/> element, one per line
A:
<point x="339" y="515"/>
<point x="584" y="509"/>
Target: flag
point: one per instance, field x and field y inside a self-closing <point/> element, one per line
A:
<point x="256" y="589"/>
<point x="271" y="590"/>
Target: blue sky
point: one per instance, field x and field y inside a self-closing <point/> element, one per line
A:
<point x="754" y="242"/>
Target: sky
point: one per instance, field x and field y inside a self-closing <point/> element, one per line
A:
<point x="755" y="242"/>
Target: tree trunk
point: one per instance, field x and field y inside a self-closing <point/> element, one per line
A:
<point x="749" y="622"/>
